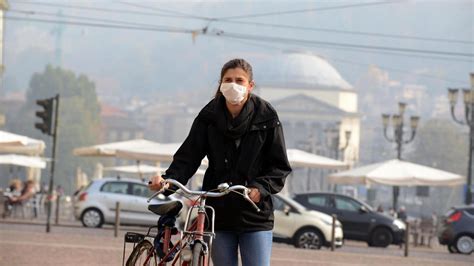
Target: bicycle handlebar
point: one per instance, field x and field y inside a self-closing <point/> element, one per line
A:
<point x="225" y="191"/>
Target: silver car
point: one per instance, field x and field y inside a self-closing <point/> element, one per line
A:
<point x="95" y="204"/>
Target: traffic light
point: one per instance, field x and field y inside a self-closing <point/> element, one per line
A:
<point x="46" y="115"/>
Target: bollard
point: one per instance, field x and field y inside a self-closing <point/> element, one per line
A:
<point x="58" y="200"/>
<point x="333" y="232"/>
<point x="407" y="240"/>
<point x="117" y="218"/>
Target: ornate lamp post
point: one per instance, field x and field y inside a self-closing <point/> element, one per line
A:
<point x="468" y="95"/>
<point x="334" y="141"/>
<point x="398" y="137"/>
<point x="342" y="149"/>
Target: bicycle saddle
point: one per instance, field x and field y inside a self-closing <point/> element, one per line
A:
<point x="170" y="208"/>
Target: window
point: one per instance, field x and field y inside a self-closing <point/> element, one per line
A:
<point x="115" y="187"/>
<point x="278" y="204"/>
<point x="140" y="190"/>
<point x="319" y="200"/>
<point x="125" y="135"/>
<point x="470" y="211"/>
<point x="345" y="204"/>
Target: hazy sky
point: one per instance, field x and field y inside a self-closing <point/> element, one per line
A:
<point x="135" y="61"/>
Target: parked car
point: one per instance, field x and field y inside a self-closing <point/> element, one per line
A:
<point x="457" y="230"/>
<point x="95" y="204"/>
<point x="359" y="221"/>
<point x="302" y="227"/>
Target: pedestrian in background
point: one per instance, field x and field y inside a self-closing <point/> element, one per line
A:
<point x="15" y="186"/>
<point x="380" y="208"/>
<point x="27" y="193"/>
<point x="392" y="212"/>
<point x="402" y="215"/>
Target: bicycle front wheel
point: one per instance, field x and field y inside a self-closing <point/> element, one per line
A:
<point x="198" y="255"/>
<point x="142" y="255"/>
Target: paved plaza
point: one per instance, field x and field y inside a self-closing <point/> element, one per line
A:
<point x="26" y="243"/>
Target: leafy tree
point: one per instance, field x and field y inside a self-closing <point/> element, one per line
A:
<point x="442" y="145"/>
<point x="79" y="119"/>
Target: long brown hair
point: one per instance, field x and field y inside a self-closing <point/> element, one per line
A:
<point x="234" y="63"/>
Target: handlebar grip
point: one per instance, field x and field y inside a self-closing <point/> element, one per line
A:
<point x="158" y="192"/>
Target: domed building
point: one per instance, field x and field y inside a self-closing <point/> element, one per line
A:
<point x="316" y="105"/>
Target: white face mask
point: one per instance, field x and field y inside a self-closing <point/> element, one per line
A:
<point x="233" y="92"/>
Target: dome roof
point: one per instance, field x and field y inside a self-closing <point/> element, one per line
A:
<point x="302" y="70"/>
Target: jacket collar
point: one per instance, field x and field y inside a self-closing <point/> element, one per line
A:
<point x="264" y="112"/>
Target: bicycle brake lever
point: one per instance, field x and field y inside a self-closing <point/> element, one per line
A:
<point x="246" y="196"/>
<point x="154" y="195"/>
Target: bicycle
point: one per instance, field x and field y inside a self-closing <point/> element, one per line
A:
<point x="191" y="249"/>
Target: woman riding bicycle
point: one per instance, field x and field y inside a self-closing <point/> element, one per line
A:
<point x="242" y="137"/>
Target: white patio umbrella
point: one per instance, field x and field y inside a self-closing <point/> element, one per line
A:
<point x="397" y="173"/>
<point x="109" y="149"/>
<point x="164" y="152"/>
<point x="299" y="158"/>
<point x="22" y="160"/>
<point x="134" y="169"/>
<point x="14" y="143"/>
<point x="158" y="152"/>
<point x="142" y="169"/>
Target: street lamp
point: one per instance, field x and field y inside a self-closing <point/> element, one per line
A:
<point x="468" y="97"/>
<point x="335" y="143"/>
<point x="347" y="134"/>
<point x="334" y="140"/>
<point x="398" y="136"/>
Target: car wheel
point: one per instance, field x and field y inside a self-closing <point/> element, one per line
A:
<point x="308" y="238"/>
<point x="464" y="244"/>
<point x="381" y="237"/>
<point x="452" y="249"/>
<point x="92" y="218"/>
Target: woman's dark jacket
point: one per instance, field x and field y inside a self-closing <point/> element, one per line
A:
<point x="255" y="156"/>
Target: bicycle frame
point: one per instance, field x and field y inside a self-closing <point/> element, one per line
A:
<point x="183" y="241"/>
<point x="193" y="233"/>
<point x="194" y="236"/>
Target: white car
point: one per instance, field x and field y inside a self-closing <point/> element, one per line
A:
<point x="96" y="203"/>
<point x="302" y="227"/>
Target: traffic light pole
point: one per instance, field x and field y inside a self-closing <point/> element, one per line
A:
<point x="51" y="180"/>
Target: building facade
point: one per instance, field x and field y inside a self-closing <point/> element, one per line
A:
<point x="316" y="105"/>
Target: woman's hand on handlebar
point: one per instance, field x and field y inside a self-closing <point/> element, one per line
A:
<point x="156" y="183"/>
<point x="254" y="194"/>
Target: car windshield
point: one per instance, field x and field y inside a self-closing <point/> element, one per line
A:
<point x="82" y="188"/>
<point x="351" y="203"/>
<point x="367" y="206"/>
<point x="450" y="212"/>
<point x="292" y="202"/>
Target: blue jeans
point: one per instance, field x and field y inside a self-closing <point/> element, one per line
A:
<point x="255" y="248"/>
